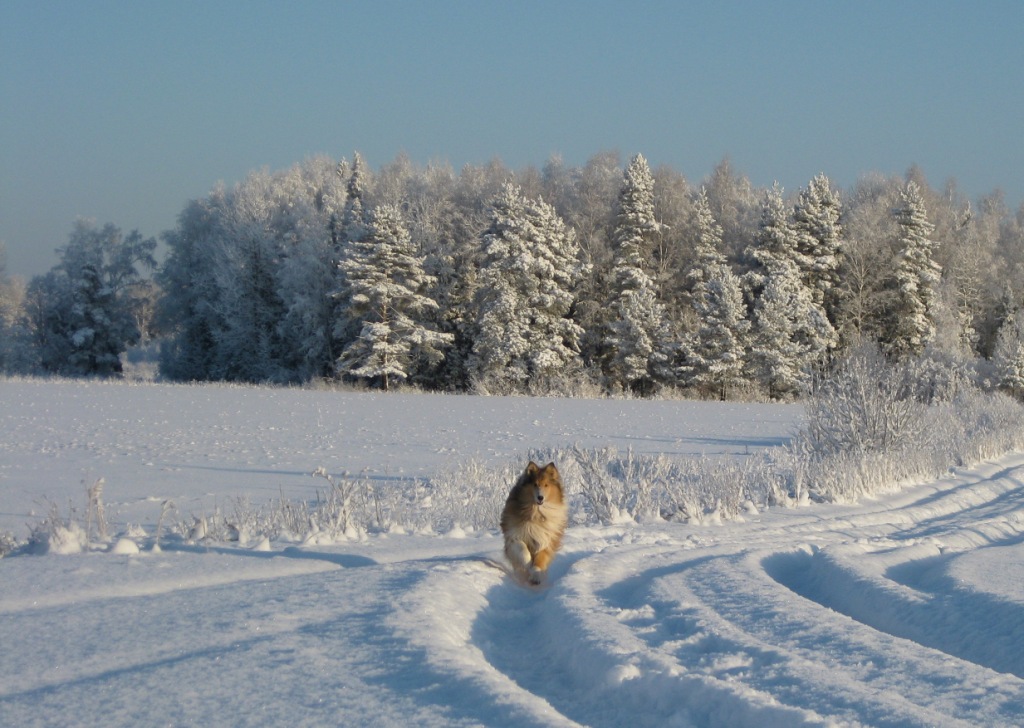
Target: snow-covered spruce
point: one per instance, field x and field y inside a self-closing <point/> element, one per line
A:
<point x="523" y="332"/>
<point x="386" y="285"/>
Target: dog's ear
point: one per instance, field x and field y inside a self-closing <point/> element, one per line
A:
<point x="532" y="468"/>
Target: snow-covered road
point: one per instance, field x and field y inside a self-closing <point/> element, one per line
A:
<point x="906" y="611"/>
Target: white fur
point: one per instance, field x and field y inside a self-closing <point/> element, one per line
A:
<point x="540" y="533"/>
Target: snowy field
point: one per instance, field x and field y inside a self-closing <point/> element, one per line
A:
<point x="906" y="610"/>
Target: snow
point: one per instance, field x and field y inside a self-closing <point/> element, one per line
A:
<point x="904" y="610"/>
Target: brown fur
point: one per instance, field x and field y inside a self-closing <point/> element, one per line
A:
<point x="533" y="521"/>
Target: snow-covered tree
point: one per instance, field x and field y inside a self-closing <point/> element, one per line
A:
<point x="714" y="355"/>
<point x="791" y="333"/>
<point x="733" y="204"/>
<point x="354" y="218"/>
<point x="636" y="335"/>
<point x="1008" y="355"/>
<point x="674" y="243"/>
<point x="870" y="229"/>
<point x="530" y="269"/>
<point x="911" y="323"/>
<point x="446" y="227"/>
<point x="774" y="245"/>
<point x="311" y="197"/>
<point x="9" y="299"/>
<point x="188" y="310"/>
<point x="15" y="345"/>
<point x="246" y="276"/>
<point x="249" y="256"/>
<point x="819" y="242"/>
<point x="353" y="227"/>
<point x="963" y="280"/>
<point x="635" y="225"/>
<point x="386" y="281"/>
<point x="589" y="206"/>
<point x="85" y="318"/>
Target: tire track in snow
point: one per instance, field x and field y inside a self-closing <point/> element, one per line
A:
<point x="963" y="623"/>
<point x="570" y="646"/>
<point x="445" y="600"/>
<point x="714" y="617"/>
<point x="901" y="585"/>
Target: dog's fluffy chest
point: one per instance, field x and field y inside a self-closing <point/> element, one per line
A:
<point x="540" y="527"/>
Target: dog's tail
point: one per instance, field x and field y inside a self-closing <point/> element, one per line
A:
<point x="494" y="563"/>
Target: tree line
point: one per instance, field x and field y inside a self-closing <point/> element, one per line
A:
<point x="607" y="276"/>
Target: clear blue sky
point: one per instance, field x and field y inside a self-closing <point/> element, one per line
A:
<point x="123" y="110"/>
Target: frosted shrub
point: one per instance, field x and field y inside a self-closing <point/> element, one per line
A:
<point x="574" y="385"/>
<point x="334" y="513"/>
<point x="873" y="426"/>
<point x="979" y="425"/>
<point x="57" y="535"/>
<point x="8" y="544"/>
<point x="166" y="508"/>
<point x="604" y="497"/>
<point x="95" y="518"/>
<point x="865" y="405"/>
<point x="468" y="495"/>
<point x="940" y="377"/>
<point x="344" y="510"/>
<point x="705" y="489"/>
<point x="606" y="486"/>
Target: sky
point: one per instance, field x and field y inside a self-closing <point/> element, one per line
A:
<point x="122" y="111"/>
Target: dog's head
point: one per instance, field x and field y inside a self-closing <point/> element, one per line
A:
<point x="541" y="485"/>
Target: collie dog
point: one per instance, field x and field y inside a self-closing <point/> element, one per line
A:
<point x="533" y="521"/>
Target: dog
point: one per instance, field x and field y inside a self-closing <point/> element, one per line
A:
<point x="533" y="521"/>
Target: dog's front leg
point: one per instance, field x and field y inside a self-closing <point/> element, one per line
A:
<point x="542" y="559"/>
<point x="540" y="565"/>
<point x="518" y="554"/>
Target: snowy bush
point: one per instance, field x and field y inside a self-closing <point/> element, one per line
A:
<point x="343" y="511"/>
<point x="873" y="425"/>
<point x="469" y="495"/>
<point x="57" y="535"/>
<point x="864" y="406"/>
<point x="95" y="517"/>
<point x="166" y="508"/>
<point x="67" y="535"/>
<point x="605" y="486"/>
<point x="8" y="544"/>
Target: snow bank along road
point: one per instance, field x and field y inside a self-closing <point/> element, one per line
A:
<point x="904" y="611"/>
